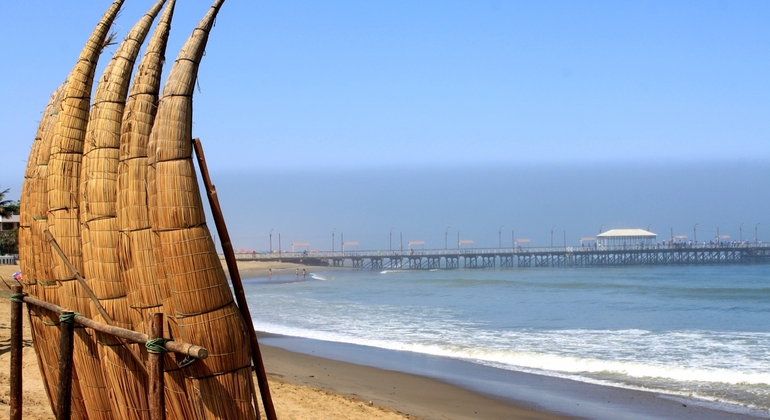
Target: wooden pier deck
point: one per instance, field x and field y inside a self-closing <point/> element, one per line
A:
<point x="527" y="257"/>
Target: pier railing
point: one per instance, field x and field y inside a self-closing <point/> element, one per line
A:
<point x="581" y="255"/>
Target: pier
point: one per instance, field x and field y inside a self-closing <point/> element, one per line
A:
<point x="579" y="256"/>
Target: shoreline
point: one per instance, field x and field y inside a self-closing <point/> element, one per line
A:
<point x="484" y="389"/>
<point x="281" y="270"/>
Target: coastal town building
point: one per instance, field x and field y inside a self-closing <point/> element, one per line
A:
<point x="9" y="223"/>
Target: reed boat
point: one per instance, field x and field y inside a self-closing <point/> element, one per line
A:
<point x="110" y="181"/>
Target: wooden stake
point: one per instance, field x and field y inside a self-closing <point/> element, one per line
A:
<point x="64" y="392"/>
<point x="157" y="399"/>
<point x="16" y="351"/>
<point x="235" y="277"/>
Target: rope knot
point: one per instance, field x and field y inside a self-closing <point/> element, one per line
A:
<point x="156" y="345"/>
<point x="69" y="317"/>
<point x="18" y="297"/>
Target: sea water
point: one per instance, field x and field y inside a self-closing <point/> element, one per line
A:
<point x="700" y="332"/>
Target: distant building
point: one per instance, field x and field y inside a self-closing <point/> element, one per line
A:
<point x="9" y="223"/>
<point x="627" y="237"/>
<point x="8" y="242"/>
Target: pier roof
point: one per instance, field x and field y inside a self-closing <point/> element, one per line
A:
<point x="635" y="233"/>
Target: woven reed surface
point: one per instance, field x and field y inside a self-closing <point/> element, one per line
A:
<point x="128" y="384"/>
<point x="141" y="104"/>
<point x="63" y="217"/>
<point x="35" y="261"/>
<point x="144" y="296"/>
<point x="152" y="281"/>
<point x="65" y="161"/>
<point x="178" y="201"/>
<point x="98" y="186"/>
<point x="34" y="202"/>
<point x="136" y="254"/>
<point x="44" y="126"/>
<point x="190" y="261"/>
<point x="49" y="369"/>
<point x="45" y="338"/>
<point x="125" y="381"/>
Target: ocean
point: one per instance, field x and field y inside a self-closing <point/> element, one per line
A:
<point x="696" y="332"/>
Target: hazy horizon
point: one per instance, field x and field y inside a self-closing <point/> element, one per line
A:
<point x="476" y="200"/>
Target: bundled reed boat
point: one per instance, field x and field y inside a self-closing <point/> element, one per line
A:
<point x="111" y="182"/>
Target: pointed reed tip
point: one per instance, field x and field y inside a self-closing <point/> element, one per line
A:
<point x="109" y="40"/>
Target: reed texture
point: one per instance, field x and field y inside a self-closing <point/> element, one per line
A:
<point x="192" y="266"/>
<point x="124" y="378"/>
<point x="34" y="204"/>
<point x="63" y="215"/>
<point x="136" y="252"/>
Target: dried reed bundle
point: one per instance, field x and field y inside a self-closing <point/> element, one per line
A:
<point x="192" y="267"/>
<point x="48" y="368"/>
<point x="31" y="202"/>
<point x="135" y="253"/>
<point x="98" y="188"/>
<point x="66" y="156"/>
<point x="44" y="331"/>
<point x="63" y="216"/>
<point x="34" y="200"/>
<point x="37" y="261"/>
<point x="188" y="262"/>
<point x="99" y="229"/>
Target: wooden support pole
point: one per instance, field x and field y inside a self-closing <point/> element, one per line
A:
<point x="156" y="397"/>
<point x="16" y="350"/>
<point x="64" y="391"/>
<point x="235" y="277"/>
<point x="187" y="349"/>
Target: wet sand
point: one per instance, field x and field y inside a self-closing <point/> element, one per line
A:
<point x="412" y="395"/>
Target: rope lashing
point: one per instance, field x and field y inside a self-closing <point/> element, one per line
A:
<point x="18" y="297"/>
<point x="46" y="283"/>
<point x="187" y="361"/>
<point x="156" y="345"/>
<point x="69" y="317"/>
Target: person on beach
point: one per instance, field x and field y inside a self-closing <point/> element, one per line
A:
<point x="269" y="273"/>
<point x="296" y="273"/>
<point x="303" y="274"/>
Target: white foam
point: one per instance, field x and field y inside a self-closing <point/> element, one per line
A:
<point x="641" y="368"/>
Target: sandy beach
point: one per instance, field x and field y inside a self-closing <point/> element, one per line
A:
<point x="249" y="269"/>
<point x="302" y="386"/>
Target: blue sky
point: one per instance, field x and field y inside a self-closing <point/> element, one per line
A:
<point x="307" y="87"/>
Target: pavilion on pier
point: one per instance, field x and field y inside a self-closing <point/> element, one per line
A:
<point x="627" y="237"/>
